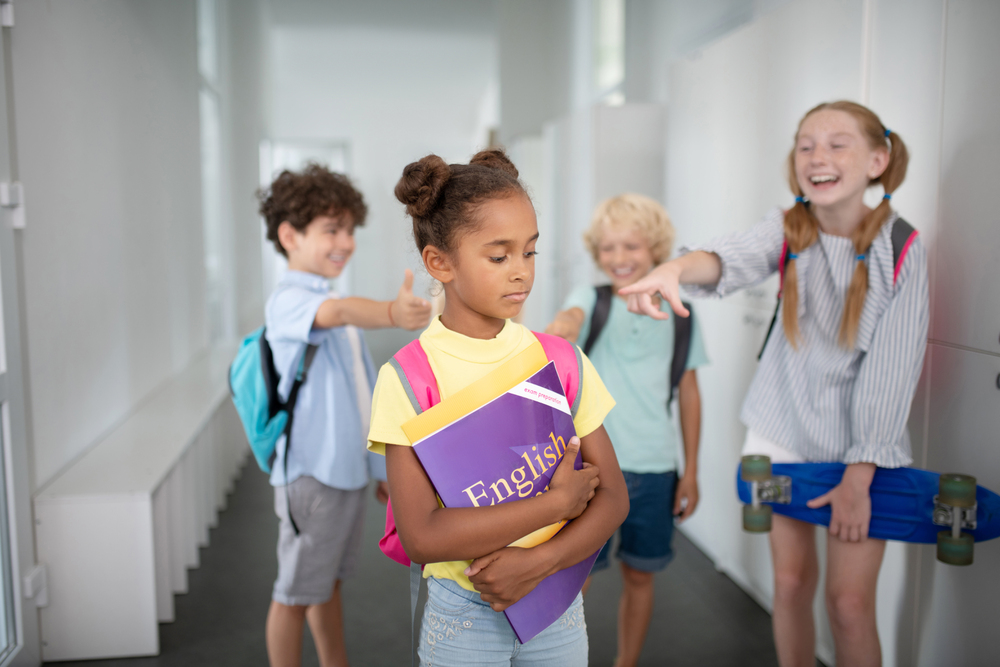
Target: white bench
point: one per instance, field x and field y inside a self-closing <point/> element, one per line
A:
<point x="119" y="528"/>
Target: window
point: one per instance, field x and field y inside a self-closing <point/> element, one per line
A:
<point x="219" y="298"/>
<point x="609" y="50"/>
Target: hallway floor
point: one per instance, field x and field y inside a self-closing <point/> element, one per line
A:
<point x="701" y="617"/>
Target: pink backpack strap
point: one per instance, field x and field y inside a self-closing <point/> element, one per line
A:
<point x="903" y="234"/>
<point x="569" y="365"/>
<point x="417" y="378"/>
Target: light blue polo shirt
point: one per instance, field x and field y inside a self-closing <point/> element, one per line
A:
<point x="327" y="439"/>
<point x="633" y="356"/>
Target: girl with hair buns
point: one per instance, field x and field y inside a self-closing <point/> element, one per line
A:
<point x="475" y="228"/>
<point x="837" y="377"/>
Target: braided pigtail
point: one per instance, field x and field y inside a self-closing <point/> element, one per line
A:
<point x="890" y="179"/>
<point x="801" y="231"/>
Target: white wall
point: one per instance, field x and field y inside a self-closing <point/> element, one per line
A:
<point x="929" y="68"/>
<point x="106" y="103"/>
<point x="394" y="94"/>
<point x="247" y="70"/>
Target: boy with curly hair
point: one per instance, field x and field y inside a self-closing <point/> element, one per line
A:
<point x="311" y="217"/>
<point x="628" y="236"/>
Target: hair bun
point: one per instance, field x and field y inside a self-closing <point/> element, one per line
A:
<point x="494" y="158"/>
<point x="421" y="184"/>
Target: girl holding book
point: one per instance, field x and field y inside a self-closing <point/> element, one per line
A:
<point x="475" y="228"/>
<point x="838" y="373"/>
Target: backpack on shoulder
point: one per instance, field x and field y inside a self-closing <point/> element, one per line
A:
<point x="682" y="336"/>
<point x="902" y="236"/>
<point x="253" y="385"/>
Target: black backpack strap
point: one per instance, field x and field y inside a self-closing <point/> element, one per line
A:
<point x="598" y="318"/>
<point x="682" y="350"/>
<point x="902" y="236"/>
<point x="289" y="406"/>
<point x="777" y="306"/>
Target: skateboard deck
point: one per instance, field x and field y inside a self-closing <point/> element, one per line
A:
<point x="903" y="501"/>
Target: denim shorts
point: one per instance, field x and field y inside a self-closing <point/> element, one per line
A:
<point x="460" y="630"/>
<point x="645" y="536"/>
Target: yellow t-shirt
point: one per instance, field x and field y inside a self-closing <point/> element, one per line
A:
<point x="458" y="361"/>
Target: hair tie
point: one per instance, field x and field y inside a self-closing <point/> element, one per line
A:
<point x="888" y="132"/>
<point x="887" y="196"/>
<point x="860" y="258"/>
<point x="800" y="200"/>
<point x="792" y="256"/>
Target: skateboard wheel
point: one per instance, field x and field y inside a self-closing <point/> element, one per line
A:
<point x="957" y="490"/>
<point x="757" y="519"/>
<point x="954" y="550"/>
<point x="755" y="468"/>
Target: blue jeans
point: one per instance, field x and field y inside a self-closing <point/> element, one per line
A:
<point x="460" y="630"/>
<point x="649" y="526"/>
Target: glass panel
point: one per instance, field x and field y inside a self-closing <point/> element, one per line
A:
<point x="8" y="629"/>
<point x="212" y="218"/>
<point x="208" y="59"/>
<point x="609" y="46"/>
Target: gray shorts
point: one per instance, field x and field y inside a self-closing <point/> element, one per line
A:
<point x="331" y="522"/>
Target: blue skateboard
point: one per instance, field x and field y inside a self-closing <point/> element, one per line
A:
<point x="908" y="504"/>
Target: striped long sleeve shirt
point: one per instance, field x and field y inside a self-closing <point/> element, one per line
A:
<point x="822" y="401"/>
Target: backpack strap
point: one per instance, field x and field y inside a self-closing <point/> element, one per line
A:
<point x="599" y="316"/>
<point x="416" y="376"/>
<point x="289" y="407"/>
<point x="782" y="265"/>
<point x="902" y="236"/>
<point x="569" y="366"/>
<point x="682" y="350"/>
<point x="418" y="380"/>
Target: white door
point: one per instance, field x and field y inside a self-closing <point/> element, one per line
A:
<point x="19" y="639"/>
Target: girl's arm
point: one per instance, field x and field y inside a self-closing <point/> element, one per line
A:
<point x="505" y="576"/>
<point x="883" y="392"/>
<point x="698" y="267"/>
<point x="725" y="264"/>
<point x="689" y="404"/>
<point x="406" y="311"/>
<point x="567" y="324"/>
<point x="433" y="534"/>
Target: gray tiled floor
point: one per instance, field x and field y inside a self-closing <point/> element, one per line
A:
<point x="701" y="616"/>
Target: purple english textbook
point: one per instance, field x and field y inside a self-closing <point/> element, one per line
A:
<point x="505" y="450"/>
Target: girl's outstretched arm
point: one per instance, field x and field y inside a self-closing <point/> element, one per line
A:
<point x="698" y="267"/>
<point x="507" y="575"/>
<point x="433" y="534"/>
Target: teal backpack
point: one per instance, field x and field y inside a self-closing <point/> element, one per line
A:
<point x="253" y="384"/>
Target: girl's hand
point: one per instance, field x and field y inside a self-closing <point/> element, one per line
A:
<point x="573" y="489"/>
<point x="382" y="492"/>
<point x="686" y="498"/>
<point x="505" y="576"/>
<point x="850" y="503"/>
<point x="663" y="280"/>
<point x="567" y="324"/>
<point x="408" y="311"/>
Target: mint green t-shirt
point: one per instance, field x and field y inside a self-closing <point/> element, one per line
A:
<point x="633" y="357"/>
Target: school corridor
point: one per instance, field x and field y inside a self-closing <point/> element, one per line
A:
<point x="701" y="616"/>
